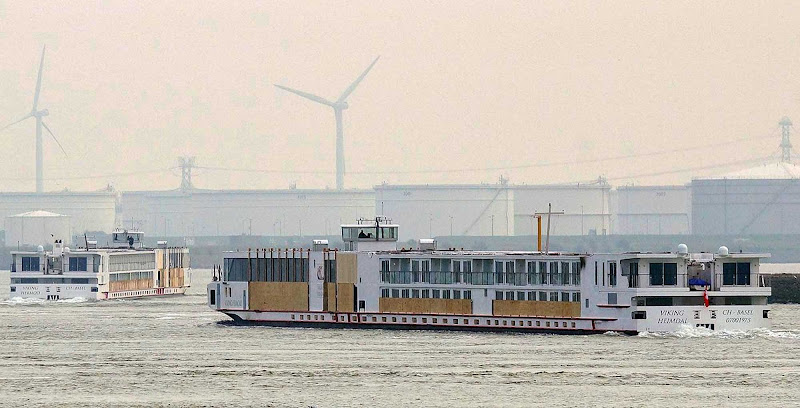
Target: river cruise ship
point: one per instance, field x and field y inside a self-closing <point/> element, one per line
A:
<point x="375" y="284"/>
<point x="125" y="269"/>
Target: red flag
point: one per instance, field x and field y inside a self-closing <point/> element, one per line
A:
<point x="705" y="297"/>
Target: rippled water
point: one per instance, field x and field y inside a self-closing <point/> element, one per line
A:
<point x="173" y="352"/>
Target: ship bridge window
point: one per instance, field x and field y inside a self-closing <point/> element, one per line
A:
<point x="77" y="263"/>
<point x="388" y="233"/>
<point x="736" y="273"/>
<point x="30" y="264"/>
<point x="663" y="274"/>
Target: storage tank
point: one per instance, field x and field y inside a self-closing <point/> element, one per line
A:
<point x="37" y="228"/>
<point x="651" y="210"/>
<point x="762" y="200"/>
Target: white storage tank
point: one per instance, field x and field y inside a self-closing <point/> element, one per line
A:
<point x="651" y="210"/>
<point x="37" y="228"/>
<point x="762" y="200"/>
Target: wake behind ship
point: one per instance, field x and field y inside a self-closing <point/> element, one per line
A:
<point x="125" y="269"/>
<point x="373" y="284"/>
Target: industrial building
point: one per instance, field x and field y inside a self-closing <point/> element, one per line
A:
<point x="651" y="210"/>
<point x="197" y="212"/>
<point x="756" y="201"/>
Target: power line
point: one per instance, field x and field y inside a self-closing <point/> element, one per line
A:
<point x="110" y="175"/>
<point x="482" y="169"/>
<point x="690" y="169"/>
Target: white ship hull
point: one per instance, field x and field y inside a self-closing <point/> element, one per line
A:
<point x="730" y="318"/>
<point x="418" y="321"/>
<point x="664" y="319"/>
<point x="62" y="292"/>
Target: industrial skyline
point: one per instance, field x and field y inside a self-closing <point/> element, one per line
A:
<point x="645" y="94"/>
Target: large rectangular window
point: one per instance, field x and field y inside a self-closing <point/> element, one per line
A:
<point x="554" y="279"/>
<point x="736" y="273"/>
<point x="77" y="264"/>
<point x="564" y="273"/>
<point x="576" y="273"/>
<point x="663" y="274"/>
<point x="30" y="264"/>
<point x="533" y="277"/>
<point x="498" y="272"/>
<point x="482" y="272"/>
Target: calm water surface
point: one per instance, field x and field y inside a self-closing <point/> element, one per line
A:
<point x="173" y="352"/>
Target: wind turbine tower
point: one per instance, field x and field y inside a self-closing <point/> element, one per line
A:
<point x="338" y="106"/>
<point x="39" y="114"/>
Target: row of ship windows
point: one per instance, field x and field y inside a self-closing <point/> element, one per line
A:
<point x="136" y="293"/>
<point x="74" y="264"/>
<point x="426" y="293"/>
<point x="132" y="262"/>
<point x="446" y="320"/>
<point x="58" y="289"/>
<point x="518" y="272"/>
<point x="115" y="277"/>
<point x="73" y="281"/>
<point x="467" y="294"/>
<point x="271" y="270"/>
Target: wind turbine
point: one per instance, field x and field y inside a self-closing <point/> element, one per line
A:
<point x="338" y="107"/>
<point x="38" y="114"/>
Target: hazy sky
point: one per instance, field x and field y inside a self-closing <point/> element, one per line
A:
<point x="476" y="88"/>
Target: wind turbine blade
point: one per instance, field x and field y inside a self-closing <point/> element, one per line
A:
<point x="355" y="83"/>
<point x="54" y="138"/>
<point x="14" y="123"/>
<point x="38" y="82"/>
<point x="307" y="95"/>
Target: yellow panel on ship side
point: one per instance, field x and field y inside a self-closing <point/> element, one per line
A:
<point x="329" y="297"/>
<point x="536" y="308"/>
<point x="133" y="284"/>
<point x="346" y="268"/>
<point x="274" y="296"/>
<point x="421" y="306"/>
<point x="345" y="297"/>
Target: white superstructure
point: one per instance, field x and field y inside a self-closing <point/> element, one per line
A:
<point x="375" y="284"/>
<point x="126" y="269"/>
